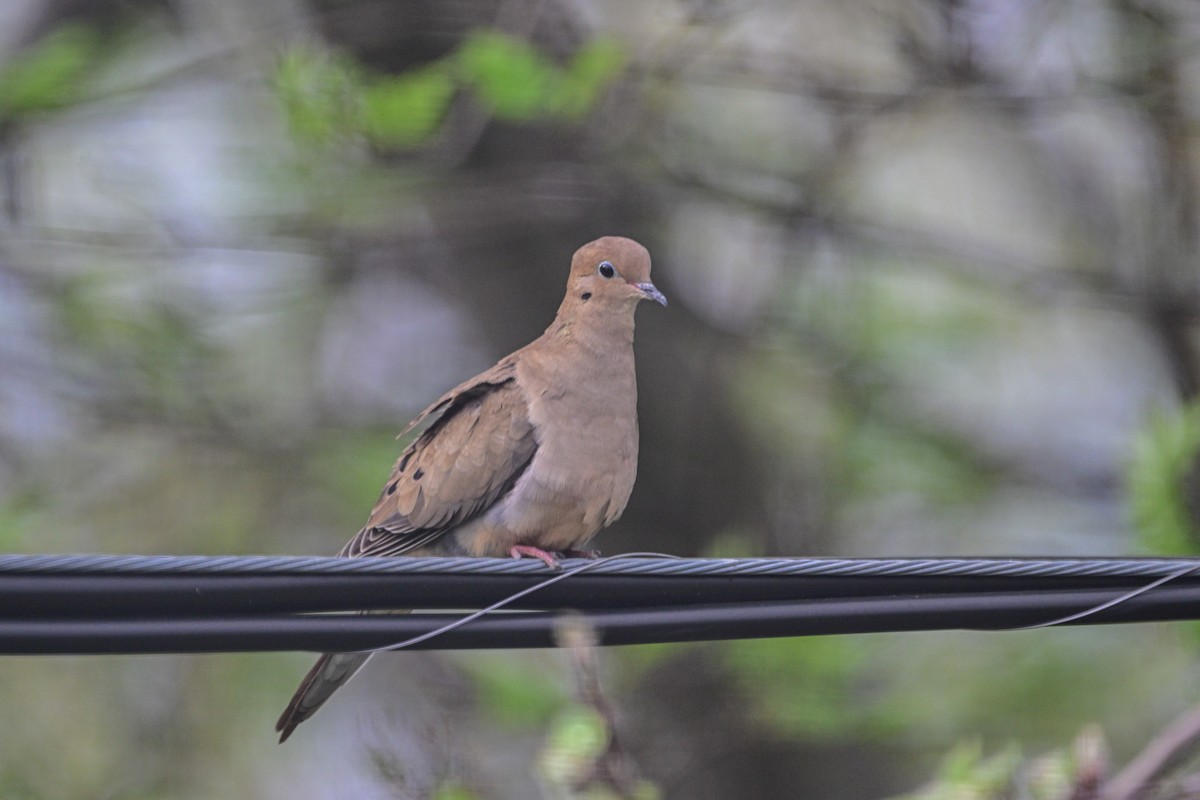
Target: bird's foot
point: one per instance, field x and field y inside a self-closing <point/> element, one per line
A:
<point x="590" y="555"/>
<point x="529" y="551"/>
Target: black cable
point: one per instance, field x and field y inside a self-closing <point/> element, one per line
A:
<point x="1121" y="599"/>
<point x="345" y="632"/>
<point x="103" y="586"/>
<point x="160" y="604"/>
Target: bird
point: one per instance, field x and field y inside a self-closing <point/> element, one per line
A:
<point x="530" y="458"/>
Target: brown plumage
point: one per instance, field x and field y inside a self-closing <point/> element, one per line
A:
<point x="532" y="457"/>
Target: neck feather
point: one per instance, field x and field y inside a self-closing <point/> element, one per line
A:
<point x="598" y="329"/>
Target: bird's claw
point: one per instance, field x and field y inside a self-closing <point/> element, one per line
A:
<point x="529" y="551"/>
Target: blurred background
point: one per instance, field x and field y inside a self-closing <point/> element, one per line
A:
<point x="934" y="291"/>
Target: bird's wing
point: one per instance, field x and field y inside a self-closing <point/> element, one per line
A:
<point x="465" y="461"/>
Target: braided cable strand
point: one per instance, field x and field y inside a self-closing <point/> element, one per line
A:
<point x="94" y="564"/>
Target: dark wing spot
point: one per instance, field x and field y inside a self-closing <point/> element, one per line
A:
<point x="403" y="462"/>
<point x="586" y="296"/>
<point x="420" y="473"/>
<point x="392" y="488"/>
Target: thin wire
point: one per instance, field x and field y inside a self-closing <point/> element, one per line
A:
<point x="499" y="604"/>
<point x="1114" y="602"/>
<point x="458" y="623"/>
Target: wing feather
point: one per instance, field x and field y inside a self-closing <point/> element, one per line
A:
<point x="470" y="456"/>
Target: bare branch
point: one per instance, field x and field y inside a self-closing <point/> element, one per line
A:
<point x="1165" y="750"/>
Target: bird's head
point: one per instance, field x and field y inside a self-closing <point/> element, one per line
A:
<point x="611" y="272"/>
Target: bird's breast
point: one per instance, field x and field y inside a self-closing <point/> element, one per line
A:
<point x="581" y="476"/>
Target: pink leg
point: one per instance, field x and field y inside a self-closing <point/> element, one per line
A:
<point x="528" y="551"/>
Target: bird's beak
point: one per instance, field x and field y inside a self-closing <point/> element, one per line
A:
<point x="652" y="292"/>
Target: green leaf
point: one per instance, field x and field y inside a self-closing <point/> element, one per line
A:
<point x="49" y="75"/>
<point x="518" y="83"/>
<point x="597" y="63"/>
<point x="321" y="95"/>
<point x="591" y="71"/>
<point x="511" y="78"/>
<point x="406" y="109"/>
<point x="1164" y="457"/>
<point x="327" y="98"/>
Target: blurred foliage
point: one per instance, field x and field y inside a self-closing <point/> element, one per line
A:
<point x="327" y="97"/>
<point x="508" y="696"/>
<point x="989" y="684"/>
<point x="454" y="792"/>
<point x="1161" y="480"/>
<point x="320" y="93"/>
<point x="916" y="261"/>
<point x="20" y="514"/>
<point x="348" y="466"/>
<point x="822" y="676"/>
<point x="406" y="110"/>
<point x="577" y="741"/>
<point x="1069" y="773"/>
<point x="519" y="84"/>
<point x="149" y="347"/>
<point x="51" y="74"/>
<point x="873" y="688"/>
<point x="879" y="459"/>
<point x="966" y="774"/>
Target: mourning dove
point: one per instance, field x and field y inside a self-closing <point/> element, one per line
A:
<point x="530" y="458"/>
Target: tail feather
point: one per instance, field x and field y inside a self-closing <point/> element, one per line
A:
<point x="326" y="676"/>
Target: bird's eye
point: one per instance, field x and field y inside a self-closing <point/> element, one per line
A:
<point x="606" y="269"/>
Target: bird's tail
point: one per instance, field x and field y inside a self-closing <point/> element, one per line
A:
<point x="329" y="673"/>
